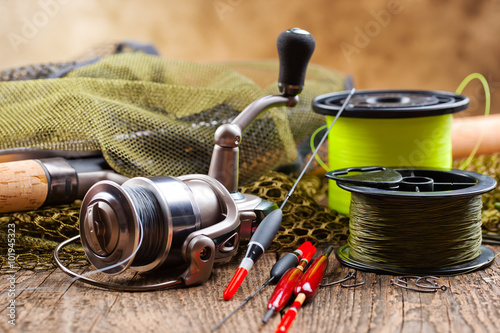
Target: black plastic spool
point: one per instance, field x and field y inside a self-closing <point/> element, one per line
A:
<point x="414" y="183"/>
<point x="391" y="103"/>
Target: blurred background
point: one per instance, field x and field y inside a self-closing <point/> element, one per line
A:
<point x="383" y="44"/>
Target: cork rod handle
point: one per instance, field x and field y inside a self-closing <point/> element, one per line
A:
<point x="23" y="186"/>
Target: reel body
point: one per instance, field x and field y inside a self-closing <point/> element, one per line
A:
<point x="152" y="223"/>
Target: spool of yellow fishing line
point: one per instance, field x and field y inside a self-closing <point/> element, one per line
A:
<point x="397" y="128"/>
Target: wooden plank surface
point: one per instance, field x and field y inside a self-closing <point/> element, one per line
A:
<point x="49" y="302"/>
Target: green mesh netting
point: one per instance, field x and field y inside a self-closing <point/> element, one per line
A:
<point x="37" y="235"/>
<point x="488" y="165"/>
<point x="151" y="116"/>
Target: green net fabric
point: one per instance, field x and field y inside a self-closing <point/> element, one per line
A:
<point x="37" y="235"/>
<point x="488" y="165"/>
<point x="32" y="72"/>
<point x="303" y="218"/>
<point x="151" y="116"/>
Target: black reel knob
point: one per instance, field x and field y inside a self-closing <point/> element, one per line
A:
<point x="295" y="48"/>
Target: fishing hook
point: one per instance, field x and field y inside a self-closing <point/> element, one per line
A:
<point x="349" y="276"/>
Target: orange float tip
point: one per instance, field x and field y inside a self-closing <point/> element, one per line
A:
<point x="286" y="321"/>
<point x="235" y="283"/>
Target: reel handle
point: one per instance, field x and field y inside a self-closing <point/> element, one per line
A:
<point x="295" y="48"/>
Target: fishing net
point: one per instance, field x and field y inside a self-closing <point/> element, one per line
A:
<point x="151" y="116"/>
<point x="488" y="165"/>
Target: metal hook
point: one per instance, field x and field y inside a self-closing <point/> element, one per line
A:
<point x="405" y="286"/>
<point x="434" y="284"/>
<point x="427" y="279"/>
<point x="349" y="276"/>
<point x="403" y="278"/>
<point x="353" y="285"/>
<point x="402" y="283"/>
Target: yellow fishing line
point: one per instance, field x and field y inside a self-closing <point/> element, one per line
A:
<point x="408" y="142"/>
<point x="487" y="96"/>
<point x="313" y="148"/>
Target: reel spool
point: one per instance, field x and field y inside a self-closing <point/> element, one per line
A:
<point x="406" y="128"/>
<point x="162" y="211"/>
<point x="408" y="209"/>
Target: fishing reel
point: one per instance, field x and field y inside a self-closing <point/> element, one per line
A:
<point x="191" y="221"/>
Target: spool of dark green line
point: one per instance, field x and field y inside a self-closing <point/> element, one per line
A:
<point x="414" y="221"/>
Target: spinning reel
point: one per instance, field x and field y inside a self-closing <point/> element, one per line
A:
<point x="194" y="220"/>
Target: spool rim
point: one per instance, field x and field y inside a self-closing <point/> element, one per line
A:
<point x="432" y="103"/>
<point x="484" y="260"/>
<point x="125" y="222"/>
<point x="482" y="185"/>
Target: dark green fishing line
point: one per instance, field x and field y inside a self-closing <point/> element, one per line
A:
<point x="416" y="232"/>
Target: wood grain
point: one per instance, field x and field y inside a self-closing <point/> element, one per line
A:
<point x="49" y="302"/>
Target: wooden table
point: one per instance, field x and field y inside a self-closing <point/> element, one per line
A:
<point x="47" y="302"/>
